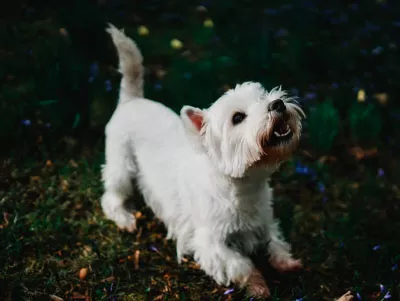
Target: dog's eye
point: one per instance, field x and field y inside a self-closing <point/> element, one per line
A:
<point x="238" y="117"/>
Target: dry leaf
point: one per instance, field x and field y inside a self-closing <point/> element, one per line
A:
<point x="136" y="259"/>
<point x="73" y="163"/>
<point x="346" y="297"/>
<point x="83" y="273"/>
<point x="108" y="279"/>
<point x="56" y="298"/>
<point x="76" y="295"/>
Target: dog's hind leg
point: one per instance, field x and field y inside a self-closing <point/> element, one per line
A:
<point x="117" y="175"/>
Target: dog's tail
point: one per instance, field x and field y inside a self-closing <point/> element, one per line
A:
<point x="130" y="64"/>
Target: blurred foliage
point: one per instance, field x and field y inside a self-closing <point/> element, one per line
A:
<point x="365" y="121"/>
<point x="323" y="123"/>
<point x="58" y="67"/>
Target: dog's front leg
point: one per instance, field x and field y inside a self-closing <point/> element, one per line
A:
<point x="226" y="265"/>
<point x="280" y="255"/>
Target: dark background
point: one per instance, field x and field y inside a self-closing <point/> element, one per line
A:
<point x="338" y="198"/>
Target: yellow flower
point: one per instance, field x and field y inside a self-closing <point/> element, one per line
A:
<point x="176" y="44"/>
<point x="382" y="98"/>
<point x="208" y="23"/>
<point x="143" y="30"/>
<point x="63" y="32"/>
<point x="361" y="95"/>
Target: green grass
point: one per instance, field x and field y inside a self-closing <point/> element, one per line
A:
<point x="347" y="233"/>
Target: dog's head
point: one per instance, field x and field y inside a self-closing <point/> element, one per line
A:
<point x="246" y="128"/>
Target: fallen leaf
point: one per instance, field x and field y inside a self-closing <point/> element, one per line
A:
<point x="73" y="163"/>
<point x="83" y="273"/>
<point x="76" y="295"/>
<point x="108" y="279"/>
<point x="136" y="259"/>
<point x="346" y="297"/>
<point x="382" y="98"/>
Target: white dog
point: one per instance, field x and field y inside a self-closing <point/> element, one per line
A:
<point x="205" y="174"/>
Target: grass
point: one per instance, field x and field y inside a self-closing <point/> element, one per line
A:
<point x="341" y="213"/>
<point x="342" y="219"/>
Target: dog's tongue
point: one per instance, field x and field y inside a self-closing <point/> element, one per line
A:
<point x="281" y="127"/>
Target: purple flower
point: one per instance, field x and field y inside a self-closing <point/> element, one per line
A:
<point x="395" y="115"/>
<point x="270" y="11"/>
<point x="387" y="295"/>
<point x="300" y="299"/>
<point x="376" y="248"/>
<point x="310" y="95"/>
<point x="94" y="69"/>
<point x="382" y="288"/>
<point x="321" y="187"/>
<point x="396" y="23"/>
<point x="305" y="170"/>
<point x="372" y="27"/>
<point x="282" y="32"/>
<point x="353" y="6"/>
<point x="108" y="85"/>
<point x="334" y="21"/>
<point x="26" y="122"/>
<point x="377" y="50"/>
<point x="394" y="267"/>
<point x="381" y="173"/>
<point x="229" y="291"/>
<point x="153" y="248"/>
<point x="358" y="296"/>
<point x="302" y="169"/>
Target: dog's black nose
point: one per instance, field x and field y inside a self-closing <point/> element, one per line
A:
<point x="277" y="105"/>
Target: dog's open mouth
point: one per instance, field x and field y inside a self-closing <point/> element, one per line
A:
<point x="280" y="133"/>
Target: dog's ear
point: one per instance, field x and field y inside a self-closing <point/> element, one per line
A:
<point x="192" y="118"/>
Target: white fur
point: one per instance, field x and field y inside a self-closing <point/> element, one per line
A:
<point x="200" y="184"/>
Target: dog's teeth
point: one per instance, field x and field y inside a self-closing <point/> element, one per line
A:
<point x="287" y="133"/>
<point x="277" y="134"/>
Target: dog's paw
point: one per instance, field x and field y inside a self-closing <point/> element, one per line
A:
<point x="256" y="285"/>
<point x="125" y="221"/>
<point x="286" y="264"/>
